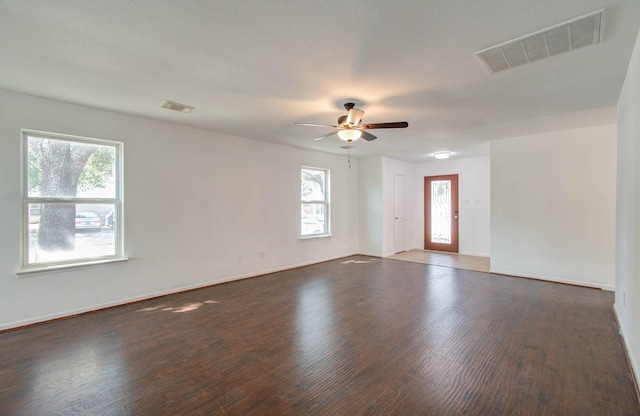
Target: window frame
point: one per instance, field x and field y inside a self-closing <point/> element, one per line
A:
<point x="326" y="204"/>
<point x="27" y="268"/>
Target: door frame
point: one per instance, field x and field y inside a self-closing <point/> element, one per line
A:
<point x="455" y="214"/>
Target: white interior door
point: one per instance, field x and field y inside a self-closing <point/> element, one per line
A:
<point x="400" y="212"/>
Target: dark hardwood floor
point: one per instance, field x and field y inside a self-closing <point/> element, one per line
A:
<point x="357" y="336"/>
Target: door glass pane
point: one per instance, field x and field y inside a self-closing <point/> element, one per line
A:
<point x="441" y="212"/>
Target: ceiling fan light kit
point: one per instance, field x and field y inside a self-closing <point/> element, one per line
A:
<point x="349" y="135"/>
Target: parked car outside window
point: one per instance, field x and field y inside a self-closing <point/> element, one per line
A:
<point x="312" y="228"/>
<point x="86" y="220"/>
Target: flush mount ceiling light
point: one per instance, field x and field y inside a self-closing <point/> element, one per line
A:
<point x="442" y="155"/>
<point x="349" y="135"/>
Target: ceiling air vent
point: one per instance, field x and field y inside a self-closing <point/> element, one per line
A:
<point x="170" y="105"/>
<point x="563" y="37"/>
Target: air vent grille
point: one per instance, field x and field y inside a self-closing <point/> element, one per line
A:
<point x="171" y="105"/>
<point x="573" y="34"/>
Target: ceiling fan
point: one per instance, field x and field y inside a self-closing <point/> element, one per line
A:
<point x="351" y="128"/>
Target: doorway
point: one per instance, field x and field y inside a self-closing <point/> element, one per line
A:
<point x="441" y="213"/>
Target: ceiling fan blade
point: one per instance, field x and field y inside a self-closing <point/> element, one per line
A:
<point x="354" y="116"/>
<point x="368" y="136"/>
<point x="324" y="136"/>
<point x="393" y="125"/>
<point x="316" y="125"/>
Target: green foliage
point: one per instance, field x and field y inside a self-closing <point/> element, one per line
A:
<point x="98" y="171"/>
<point x="35" y="172"/>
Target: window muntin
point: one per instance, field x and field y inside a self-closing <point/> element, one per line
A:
<point x="314" y="195"/>
<point x="72" y="200"/>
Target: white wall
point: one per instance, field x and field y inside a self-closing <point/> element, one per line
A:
<point x="377" y="198"/>
<point x="370" y="213"/>
<point x="627" y="304"/>
<point x="474" y="234"/>
<point x="553" y="206"/>
<point x="195" y="201"/>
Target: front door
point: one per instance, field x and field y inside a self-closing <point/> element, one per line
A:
<point x="441" y="213"/>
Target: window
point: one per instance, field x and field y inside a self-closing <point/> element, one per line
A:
<point x="314" y="215"/>
<point x="71" y="200"/>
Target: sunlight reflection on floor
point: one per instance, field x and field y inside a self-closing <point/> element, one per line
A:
<point x="179" y="309"/>
<point x="358" y="261"/>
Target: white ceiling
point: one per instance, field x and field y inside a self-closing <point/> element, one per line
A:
<point x="254" y="67"/>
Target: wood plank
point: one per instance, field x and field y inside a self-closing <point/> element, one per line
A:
<point x="353" y="336"/>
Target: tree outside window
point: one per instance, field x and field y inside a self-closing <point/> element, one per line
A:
<point x="71" y="187"/>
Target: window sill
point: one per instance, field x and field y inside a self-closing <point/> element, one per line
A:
<point x="314" y="236"/>
<point x="34" y="271"/>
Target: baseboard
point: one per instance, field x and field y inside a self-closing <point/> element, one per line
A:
<point x="635" y="370"/>
<point x="364" y="253"/>
<point x="469" y="253"/>
<point x="464" y="253"/>
<point x="393" y="253"/>
<point x="610" y="288"/>
<point x="93" y="308"/>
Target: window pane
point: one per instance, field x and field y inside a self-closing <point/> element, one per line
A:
<point x="71" y="192"/>
<point x="62" y="232"/>
<point x="313" y="185"/>
<point x="61" y="168"/>
<point x="314" y="214"/>
<point x="313" y="219"/>
<point x="441" y="212"/>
